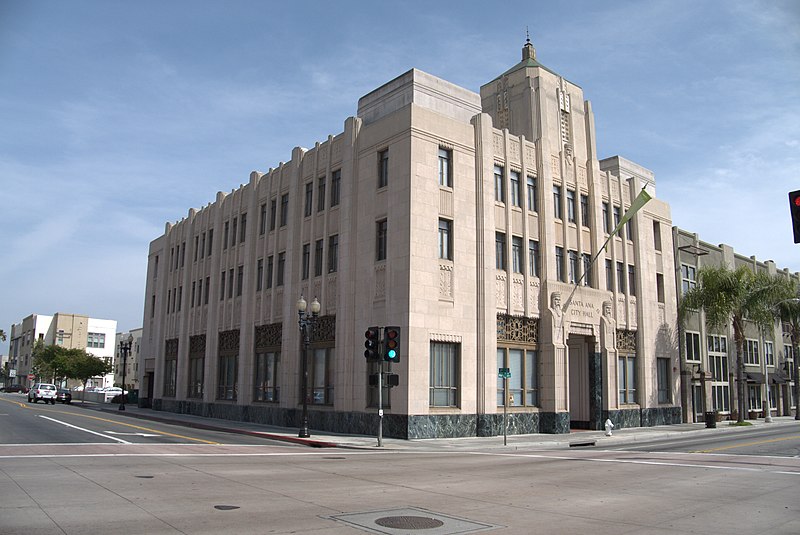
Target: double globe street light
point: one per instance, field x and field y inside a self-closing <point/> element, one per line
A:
<point x="306" y="323"/>
<point x="124" y="349"/>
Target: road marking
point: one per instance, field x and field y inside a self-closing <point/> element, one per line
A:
<point x="132" y="434"/>
<point x="745" y="444"/>
<point x="83" y="429"/>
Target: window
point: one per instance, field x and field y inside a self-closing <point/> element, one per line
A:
<point x="305" y="264"/>
<point x="445" y="239"/>
<point x="199" y="292"/>
<point x="617" y="217"/>
<point x="718" y="361"/>
<point x="210" y="241"/>
<point x="606" y="224"/>
<point x="227" y="371"/>
<point x="318" y="258"/>
<point x="444" y="374"/>
<point x="631" y="279"/>
<point x="657" y="235"/>
<point x="208" y="290"/>
<point x="260" y="275"/>
<point x="270" y="267"/>
<point x="225" y="235"/>
<point x="585" y="211"/>
<point x="788" y="352"/>
<point x="523" y="386"/>
<point x="664" y="380"/>
<point x="320" y="194"/>
<point x="262" y="220"/>
<point x="170" y="376"/>
<point x="609" y="276"/>
<point x="380" y="240"/>
<point x="321" y="376"/>
<point x="273" y="213"/>
<point x="626" y="369"/>
<point x="499" y="184"/>
<point x="196" y="247"/>
<point x="517" y="264"/>
<point x="281" y="268"/>
<point x="587" y="269"/>
<point x="754" y="397"/>
<point x="692" y="346"/>
<point x="688" y="277"/>
<point x="97" y="340"/>
<point x="499" y="250"/>
<point x="180" y="297"/>
<point x="196" y="366"/>
<point x="751" y="352"/>
<point x="239" y="280"/>
<point x="533" y="258"/>
<point x="560" y="264"/>
<point x="222" y="285"/>
<point x="309" y="199"/>
<point x="660" y="287"/>
<point x="383" y="168"/>
<point x="769" y="354"/>
<point x="570" y="206"/>
<point x="243" y="228"/>
<point x="336" y="187"/>
<point x="629" y="230"/>
<point x="230" y="283"/>
<point x="194" y="293"/>
<point x="445" y="168"/>
<point x="620" y="277"/>
<point x="532" y="192"/>
<point x="183" y="253"/>
<point x="202" y="245"/>
<point x="233" y="232"/>
<point x="266" y="385"/>
<point x="516" y="196"/>
<point x="284" y="209"/>
<point x="573" y="267"/>
<point x="557" y="202"/>
<point x="333" y="253"/>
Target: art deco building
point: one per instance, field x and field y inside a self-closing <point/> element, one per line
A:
<point x="708" y="355"/>
<point x="471" y="222"/>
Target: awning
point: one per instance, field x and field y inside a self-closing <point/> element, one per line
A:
<point x="778" y="377"/>
<point x="754" y="377"/>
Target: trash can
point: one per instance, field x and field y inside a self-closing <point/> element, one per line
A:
<point x="711" y="420"/>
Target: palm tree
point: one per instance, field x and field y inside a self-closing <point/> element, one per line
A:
<point x="789" y="312"/>
<point x="734" y="297"/>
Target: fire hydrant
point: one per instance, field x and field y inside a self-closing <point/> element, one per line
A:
<point x="609" y="426"/>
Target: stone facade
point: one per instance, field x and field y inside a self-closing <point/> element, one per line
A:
<point x="474" y="222"/>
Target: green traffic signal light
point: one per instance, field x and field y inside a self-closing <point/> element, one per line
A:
<point x="391" y="336"/>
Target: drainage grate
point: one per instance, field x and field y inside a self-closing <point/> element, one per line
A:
<point x="402" y="521"/>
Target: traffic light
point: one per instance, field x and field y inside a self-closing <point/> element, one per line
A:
<point x="371" y="342"/>
<point x="391" y="338"/>
<point x="794" y="208"/>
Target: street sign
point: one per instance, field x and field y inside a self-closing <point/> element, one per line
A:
<point x="504" y="373"/>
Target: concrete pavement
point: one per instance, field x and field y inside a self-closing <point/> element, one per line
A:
<point x="325" y="439"/>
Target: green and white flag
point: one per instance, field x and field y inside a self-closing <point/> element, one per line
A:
<point x="637" y="203"/>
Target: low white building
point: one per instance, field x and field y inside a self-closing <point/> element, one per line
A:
<point x="131" y="362"/>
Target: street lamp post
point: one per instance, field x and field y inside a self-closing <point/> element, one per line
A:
<point x="306" y="323"/>
<point x="124" y="349"/>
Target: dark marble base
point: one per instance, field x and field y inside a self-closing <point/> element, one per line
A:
<point x="412" y="427"/>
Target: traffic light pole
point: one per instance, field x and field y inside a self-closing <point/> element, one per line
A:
<point x="380" y="404"/>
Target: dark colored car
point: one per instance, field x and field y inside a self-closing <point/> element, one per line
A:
<point x="16" y="388"/>
<point x="63" y="395"/>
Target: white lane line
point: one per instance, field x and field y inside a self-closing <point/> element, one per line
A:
<point x="83" y="429"/>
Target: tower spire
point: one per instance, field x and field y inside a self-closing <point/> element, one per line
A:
<point x="528" y="52"/>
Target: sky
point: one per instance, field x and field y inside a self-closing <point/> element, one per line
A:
<point x="116" y="117"/>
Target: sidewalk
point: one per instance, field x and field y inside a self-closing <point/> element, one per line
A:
<point x="326" y="439"/>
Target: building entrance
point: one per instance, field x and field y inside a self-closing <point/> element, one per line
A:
<point x="585" y="386"/>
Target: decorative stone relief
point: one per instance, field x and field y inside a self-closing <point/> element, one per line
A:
<point x="336" y="150"/>
<point x="534" y="289"/>
<point x="333" y="292"/>
<point x="581" y="175"/>
<point x="513" y="150"/>
<point x="500" y="290"/>
<point x="530" y="157"/>
<point x="517" y="329"/>
<point x="517" y="294"/>
<point x="268" y="336"/>
<point x="497" y="140"/>
<point x="323" y="156"/>
<point x="446" y="281"/>
<point x="556" y="165"/>
<point x="380" y="281"/>
<point x="324" y="329"/>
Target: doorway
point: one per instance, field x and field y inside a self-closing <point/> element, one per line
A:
<point x="585" y="384"/>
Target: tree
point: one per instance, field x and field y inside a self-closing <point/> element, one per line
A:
<point x="789" y="312"/>
<point x="735" y="297"/>
<point x="49" y="361"/>
<point x="2" y="335"/>
<point x="84" y="366"/>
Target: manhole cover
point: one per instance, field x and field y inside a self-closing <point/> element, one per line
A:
<point x="409" y="522"/>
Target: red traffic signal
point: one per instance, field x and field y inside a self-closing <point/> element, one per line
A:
<point x="391" y="336"/>
<point x="794" y="209"/>
<point x="371" y="343"/>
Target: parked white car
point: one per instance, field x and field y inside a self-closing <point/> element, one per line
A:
<point x="43" y="391"/>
